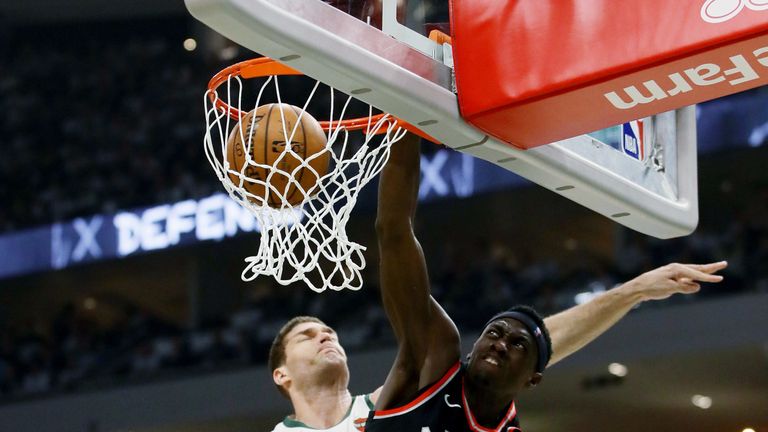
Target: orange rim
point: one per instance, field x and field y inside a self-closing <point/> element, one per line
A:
<point x="264" y="67"/>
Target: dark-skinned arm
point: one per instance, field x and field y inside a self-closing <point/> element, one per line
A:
<point x="428" y="341"/>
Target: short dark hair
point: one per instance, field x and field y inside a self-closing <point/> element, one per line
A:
<point x="537" y="319"/>
<point x="277" y="350"/>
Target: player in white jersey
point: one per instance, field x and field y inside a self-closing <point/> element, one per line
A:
<point x="353" y="420"/>
<point x="309" y="366"/>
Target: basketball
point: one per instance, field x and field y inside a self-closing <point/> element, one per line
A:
<point x="265" y="138"/>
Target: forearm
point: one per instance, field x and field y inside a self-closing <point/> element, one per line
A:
<point x="404" y="281"/>
<point x="399" y="187"/>
<point x="574" y="328"/>
<point x="428" y="342"/>
<point x="405" y="292"/>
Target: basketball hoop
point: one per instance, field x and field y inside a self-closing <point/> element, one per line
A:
<point x="308" y="241"/>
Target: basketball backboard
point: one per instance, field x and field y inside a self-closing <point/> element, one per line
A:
<point x="643" y="174"/>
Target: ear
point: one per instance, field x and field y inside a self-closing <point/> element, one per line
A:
<point x="280" y="376"/>
<point x="535" y="380"/>
<point x="474" y="347"/>
<point x="472" y="353"/>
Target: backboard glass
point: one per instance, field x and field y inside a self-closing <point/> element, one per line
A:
<point x="643" y="175"/>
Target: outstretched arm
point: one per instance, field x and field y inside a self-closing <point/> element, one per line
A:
<point x="428" y="342"/>
<point x="574" y="328"/>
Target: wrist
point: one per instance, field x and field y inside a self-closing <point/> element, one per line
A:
<point x="632" y="292"/>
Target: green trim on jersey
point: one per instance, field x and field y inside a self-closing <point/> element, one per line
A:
<point x="369" y="402"/>
<point x="293" y="423"/>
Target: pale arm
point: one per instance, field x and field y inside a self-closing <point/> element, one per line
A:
<point x="375" y="395"/>
<point x="574" y="328"/>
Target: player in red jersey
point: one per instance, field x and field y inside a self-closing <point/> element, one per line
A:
<point x="428" y="388"/>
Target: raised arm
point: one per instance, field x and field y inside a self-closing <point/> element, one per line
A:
<point x="428" y="342"/>
<point x="574" y="328"/>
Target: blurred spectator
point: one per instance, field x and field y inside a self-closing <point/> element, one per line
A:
<point x="145" y="359"/>
<point x="7" y="369"/>
<point x="105" y="125"/>
<point x="179" y="356"/>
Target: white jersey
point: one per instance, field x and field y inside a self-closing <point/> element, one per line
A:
<point x="354" y="421"/>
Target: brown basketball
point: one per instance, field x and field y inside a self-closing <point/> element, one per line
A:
<point x="262" y="129"/>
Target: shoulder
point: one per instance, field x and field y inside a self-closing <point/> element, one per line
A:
<point x="374" y="396"/>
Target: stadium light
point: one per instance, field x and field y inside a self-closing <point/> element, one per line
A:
<point x="703" y="402"/>
<point x="618" y="369"/>
<point x="190" y="44"/>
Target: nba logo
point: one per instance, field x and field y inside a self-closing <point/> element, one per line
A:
<point x="632" y="142"/>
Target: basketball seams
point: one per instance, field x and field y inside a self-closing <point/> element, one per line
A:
<point x="278" y="188"/>
<point x="300" y="121"/>
<point x="267" y="146"/>
<point x="238" y="163"/>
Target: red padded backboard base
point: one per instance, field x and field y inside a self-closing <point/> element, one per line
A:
<point x="534" y="72"/>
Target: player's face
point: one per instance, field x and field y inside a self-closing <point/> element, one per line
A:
<point x="310" y="346"/>
<point x="504" y="356"/>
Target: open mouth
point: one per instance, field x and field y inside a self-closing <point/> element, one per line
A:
<point x="491" y="360"/>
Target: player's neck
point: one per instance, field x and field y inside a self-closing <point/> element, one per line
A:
<point x="321" y="407"/>
<point x="488" y="407"/>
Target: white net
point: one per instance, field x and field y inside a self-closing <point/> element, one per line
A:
<point x="301" y="210"/>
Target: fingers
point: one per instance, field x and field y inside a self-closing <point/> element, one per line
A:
<point x="695" y="272"/>
<point x="688" y="286"/>
<point x="709" y="268"/>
